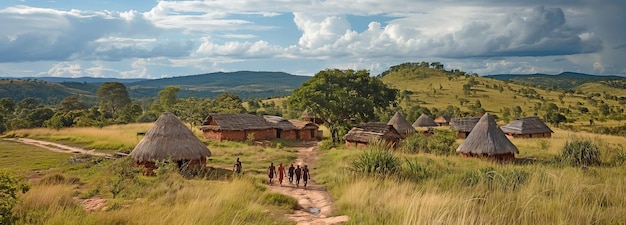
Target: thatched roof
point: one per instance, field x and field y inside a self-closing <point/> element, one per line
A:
<point x="487" y="138"/>
<point x="368" y="131"/>
<point x="299" y="124"/>
<point x="307" y="114"/>
<point x="442" y="119"/>
<point x="526" y="125"/>
<point x="464" y="124"/>
<point x="218" y="122"/>
<point x="279" y="122"/>
<point x="169" y="138"/>
<point x="424" y="121"/>
<point x="401" y="124"/>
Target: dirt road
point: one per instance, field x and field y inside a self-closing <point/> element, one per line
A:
<point x="314" y="203"/>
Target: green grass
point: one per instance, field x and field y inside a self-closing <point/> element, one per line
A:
<point x="24" y="158"/>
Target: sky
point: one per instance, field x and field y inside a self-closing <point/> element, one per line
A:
<point x="156" y="39"/>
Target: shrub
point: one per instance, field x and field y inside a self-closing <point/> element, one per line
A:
<point x="9" y="188"/>
<point x="326" y="144"/>
<point x="443" y="142"/>
<point x="581" y="152"/>
<point x="414" y="143"/>
<point x="279" y="200"/>
<point x="377" y="159"/>
<point x="415" y="171"/>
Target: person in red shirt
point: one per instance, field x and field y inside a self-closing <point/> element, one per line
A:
<point x="281" y="174"/>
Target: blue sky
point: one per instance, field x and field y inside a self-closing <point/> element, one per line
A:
<point x="154" y="39"/>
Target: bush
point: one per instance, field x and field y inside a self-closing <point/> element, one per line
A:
<point x="414" y="144"/>
<point x="326" y="144"/>
<point x="415" y="171"/>
<point x="581" y="152"/>
<point x="443" y="142"/>
<point x="9" y="188"/>
<point x="279" y="200"/>
<point x="377" y="159"/>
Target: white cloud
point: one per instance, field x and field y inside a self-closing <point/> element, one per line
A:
<point x="65" y="69"/>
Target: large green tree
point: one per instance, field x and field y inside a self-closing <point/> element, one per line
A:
<point x="339" y="96"/>
<point x="167" y="97"/>
<point x="113" y="97"/>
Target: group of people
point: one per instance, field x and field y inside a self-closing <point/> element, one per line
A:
<point x="298" y="172"/>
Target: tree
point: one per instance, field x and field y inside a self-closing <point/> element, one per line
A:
<point x="38" y="116"/>
<point x="71" y="103"/>
<point x="167" y="97"/>
<point x="113" y="97"/>
<point x="228" y="103"/>
<point x="192" y="110"/>
<point x="7" y="106"/>
<point x="340" y="96"/>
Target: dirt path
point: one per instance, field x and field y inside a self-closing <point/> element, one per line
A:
<point x="58" y="147"/>
<point x="315" y="206"/>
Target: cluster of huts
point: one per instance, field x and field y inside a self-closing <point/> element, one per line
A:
<point x="170" y="139"/>
<point x="482" y="135"/>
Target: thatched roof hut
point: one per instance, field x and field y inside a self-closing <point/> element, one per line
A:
<point x="487" y="140"/>
<point x="169" y="138"/>
<point x="362" y="134"/>
<point x="464" y="126"/>
<point x="527" y="127"/>
<point x="443" y="120"/>
<point x="306" y="130"/>
<point x="237" y="127"/>
<point x="424" y="121"/>
<point x="311" y="117"/>
<point x="401" y="125"/>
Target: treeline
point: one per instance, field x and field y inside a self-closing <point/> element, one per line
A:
<point x="114" y="106"/>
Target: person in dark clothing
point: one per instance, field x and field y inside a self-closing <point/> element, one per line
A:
<point x="237" y="167"/>
<point x="298" y="173"/>
<point x="291" y="171"/>
<point x="305" y="175"/>
<point x="271" y="172"/>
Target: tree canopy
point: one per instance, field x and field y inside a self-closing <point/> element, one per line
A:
<point x="113" y="97"/>
<point x="340" y="96"/>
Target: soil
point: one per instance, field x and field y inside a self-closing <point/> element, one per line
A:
<point x="315" y="205"/>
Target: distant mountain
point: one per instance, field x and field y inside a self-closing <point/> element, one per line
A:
<point x="89" y="80"/>
<point x="243" y="83"/>
<point x="566" y="80"/>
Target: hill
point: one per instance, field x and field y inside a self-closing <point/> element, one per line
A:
<point x="565" y="80"/>
<point x="243" y="83"/>
<point x="438" y="89"/>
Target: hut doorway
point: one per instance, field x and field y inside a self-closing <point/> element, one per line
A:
<point x="278" y="131"/>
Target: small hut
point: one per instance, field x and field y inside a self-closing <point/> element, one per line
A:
<point x="443" y="120"/>
<point x="237" y="127"/>
<point x="487" y="140"/>
<point x="306" y="131"/>
<point x="284" y="128"/>
<point x="527" y="127"/>
<point x="311" y="117"/>
<point x="169" y="138"/>
<point x="401" y="125"/>
<point x="424" y="121"/>
<point x="361" y="135"/>
<point x="463" y="126"/>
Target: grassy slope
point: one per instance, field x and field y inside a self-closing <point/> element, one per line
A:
<point x="424" y="81"/>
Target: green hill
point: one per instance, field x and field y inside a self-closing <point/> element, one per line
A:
<point x="566" y="80"/>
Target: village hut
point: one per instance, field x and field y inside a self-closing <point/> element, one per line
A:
<point x="306" y="131"/>
<point x="237" y="127"/>
<point x="284" y="129"/>
<point x="487" y="140"/>
<point x="443" y="120"/>
<point x="311" y="117"/>
<point x="424" y="121"/>
<point x="363" y="134"/>
<point x="169" y="139"/>
<point x="527" y="127"/>
<point x="401" y="125"/>
<point x="463" y="126"/>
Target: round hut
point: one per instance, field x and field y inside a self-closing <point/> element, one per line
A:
<point x="425" y="121"/>
<point x="401" y="125"/>
<point x="487" y="140"/>
<point x="169" y="138"/>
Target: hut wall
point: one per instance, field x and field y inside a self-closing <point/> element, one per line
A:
<point x="355" y="144"/>
<point x="461" y="135"/>
<point x="288" y="134"/>
<point x="441" y="124"/>
<point x="499" y="157"/>
<point x="240" y="135"/>
<point x="539" y="135"/>
<point x="261" y="135"/>
<point x="307" y="134"/>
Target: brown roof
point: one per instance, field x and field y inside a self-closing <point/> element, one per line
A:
<point x="487" y="138"/>
<point x="307" y="114"/>
<point x="526" y="125"/>
<point x="368" y="131"/>
<point x="299" y="124"/>
<point x="279" y="122"/>
<point x="442" y="119"/>
<point x="401" y="124"/>
<point x="424" y="121"/>
<point x="218" y="122"/>
<point x="464" y="124"/>
<point x="169" y="138"/>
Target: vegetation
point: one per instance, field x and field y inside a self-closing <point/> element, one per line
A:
<point x="580" y="152"/>
<point x="10" y="187"/>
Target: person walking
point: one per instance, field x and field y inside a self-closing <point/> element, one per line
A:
<point x="298" y="173"/>
<point x="291" y="171"/>
<point x="305" y="175"/>
<point x="271" y="172"/>
<point x="237" y="167"/>
<point x="281" y="174"/>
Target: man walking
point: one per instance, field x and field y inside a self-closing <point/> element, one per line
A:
<point x="298" y="174"/>
<point x="291" y="171"/>
<point x="305" y="175"/>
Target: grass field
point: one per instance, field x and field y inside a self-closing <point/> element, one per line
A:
<point x="451" y="190"/>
